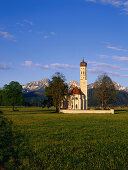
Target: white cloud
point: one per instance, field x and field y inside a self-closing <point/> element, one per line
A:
<point x="123" y="75"/>
<point x="90" y="0"/>
<point x="52" y="33"/>
<point x="103" y="64"/>
<point x="122" y="5"/>
<point x="46" y="36"/>
<point x="117" y="48"/>
<point x="28" y="22"/>
<point x="4" y="66"/>
<point x="96" y="71"/>
<point x="103" y="56"/>
<point x="30" y="63"/>
<point x="49" y="35"/>
<point x="63" y="66"/>
<point x="101" y="71"/>
<point x="120" y="58"/>
<point x="115" y="58"/>
<point x="24" y="23"/>
<point x="46" y="66"/>
<point x="115" y="3"/>
<point x="29" y="30"/>
<point x="18" y="23"/>
<point x="52" y="66"/>
<point x="124" y="69"/>
<point x="7" y="35"/>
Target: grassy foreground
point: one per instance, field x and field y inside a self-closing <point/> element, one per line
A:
<point x="68" y="141"/>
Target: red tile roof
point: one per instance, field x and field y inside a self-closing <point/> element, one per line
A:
<point x="76" y="91"/>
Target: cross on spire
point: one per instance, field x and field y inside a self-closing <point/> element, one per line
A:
<point x="83" y="59"/>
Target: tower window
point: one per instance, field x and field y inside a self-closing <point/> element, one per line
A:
<point x="83" y="72"/>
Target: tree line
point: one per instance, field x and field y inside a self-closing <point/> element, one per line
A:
<point x="104" y="92"/>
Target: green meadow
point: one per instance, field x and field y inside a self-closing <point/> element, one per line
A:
<point x="72" y="141"/>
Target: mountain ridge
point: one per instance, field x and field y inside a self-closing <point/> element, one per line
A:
<point x="40" y="86"/>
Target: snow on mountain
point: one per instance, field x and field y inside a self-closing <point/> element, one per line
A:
<point x="117" y="86"/>
<point x="35" y="85"/>
<point x="90" y="86"/>
<point x="73" y="84"/>
<point x="40" y="85"/>
<point x="126" y="89"/>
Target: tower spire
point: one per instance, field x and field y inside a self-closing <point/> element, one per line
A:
<point x="83" y="82"/>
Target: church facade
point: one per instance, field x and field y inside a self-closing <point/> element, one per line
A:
<point x="77" y="98"/>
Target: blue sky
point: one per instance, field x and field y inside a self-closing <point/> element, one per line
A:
<point x="40" y="37"/>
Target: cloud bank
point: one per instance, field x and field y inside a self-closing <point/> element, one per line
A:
<point x="101" y="71"/>
<point x="7" y="35"/>
<point x="4" y="66"/>
<point x="51" y="66"/>
<point x="94" y="70"/>
<point x="122" y="5"/>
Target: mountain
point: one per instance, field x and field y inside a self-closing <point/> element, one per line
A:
<point x="73" y="84"/>
<point x="34" y="92"/>
<point x="35" y="86"/>
<point x="121" y="97"/>
<point x="117" y="86"/>
<point x="126" y="89"/>
<point x="40" y="86"/>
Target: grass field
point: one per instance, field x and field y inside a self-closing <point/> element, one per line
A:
<point x="66" y="141"/>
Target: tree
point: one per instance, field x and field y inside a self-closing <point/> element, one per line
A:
<point x="57" y="89"/>
<point x="104" y="90"/>
<point x="1" y="97"/>
<point x="48" y="102"/>
<point x="13" y="94"/>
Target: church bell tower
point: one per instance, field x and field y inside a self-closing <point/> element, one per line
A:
<point x="83" y="81"/>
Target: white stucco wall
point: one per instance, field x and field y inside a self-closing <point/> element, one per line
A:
<point x="83" y="81"/>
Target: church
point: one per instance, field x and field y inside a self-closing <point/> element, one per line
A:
<point x="77" y="98"/>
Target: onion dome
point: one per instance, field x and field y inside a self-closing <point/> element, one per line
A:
<point x="83" y="63"/>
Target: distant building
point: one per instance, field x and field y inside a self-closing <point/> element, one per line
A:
<point x="77" y="98"/>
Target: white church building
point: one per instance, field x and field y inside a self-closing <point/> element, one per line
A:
<point x="77" y="98"/>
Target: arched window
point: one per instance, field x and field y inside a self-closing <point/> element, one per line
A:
<point x="76" y="106"/>
<point x="83" y="72"/>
